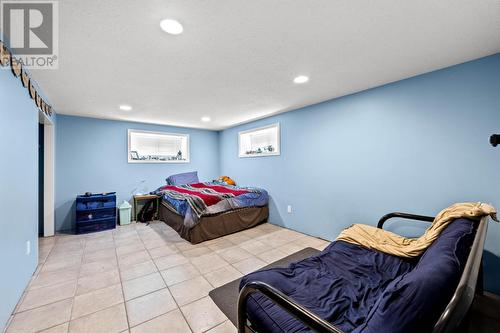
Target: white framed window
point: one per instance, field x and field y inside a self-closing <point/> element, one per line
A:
<point x="157" y="147"/>
<point x="262" y="141"/>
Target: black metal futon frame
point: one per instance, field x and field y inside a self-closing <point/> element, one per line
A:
<point x="471" y="282"/>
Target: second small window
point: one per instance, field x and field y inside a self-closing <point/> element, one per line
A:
<point x="262" y="141"/>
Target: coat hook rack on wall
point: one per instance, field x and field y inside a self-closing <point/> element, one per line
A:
<point x="495" y="140"/>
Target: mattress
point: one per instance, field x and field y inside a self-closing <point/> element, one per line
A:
<point x="361" y="290"/>
<point x="214" y="198"/>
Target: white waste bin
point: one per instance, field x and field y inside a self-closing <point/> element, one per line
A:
<point x="125" y="210"/>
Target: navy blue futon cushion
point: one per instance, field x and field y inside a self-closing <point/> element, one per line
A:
<point x="340" y="284"/>
<point x="360" y="290"/>
<point x="414" y="302"/>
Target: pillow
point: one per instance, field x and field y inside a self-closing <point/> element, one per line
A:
<point x="183" y="178"/>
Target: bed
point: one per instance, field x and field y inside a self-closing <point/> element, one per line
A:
<point x="204" y="211"/>
<point x="349" y="288"/>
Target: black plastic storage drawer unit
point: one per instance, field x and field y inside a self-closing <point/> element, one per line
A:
<point x="95" y="212"/>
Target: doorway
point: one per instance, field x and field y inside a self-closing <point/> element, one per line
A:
<point x="46" y="150"/>
<point x="41" y="171"/>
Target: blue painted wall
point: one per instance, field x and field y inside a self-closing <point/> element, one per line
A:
<point x="91" y="156"/>
<point x="19" y="191"/>
<point x="417" y="145"/>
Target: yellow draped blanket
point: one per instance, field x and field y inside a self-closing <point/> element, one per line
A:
<point x="388" y="242"/>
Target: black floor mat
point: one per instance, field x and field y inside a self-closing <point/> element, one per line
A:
<point x="226" y="296"/>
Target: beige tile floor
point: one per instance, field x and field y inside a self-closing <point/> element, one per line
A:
<point x="141" y="278"/>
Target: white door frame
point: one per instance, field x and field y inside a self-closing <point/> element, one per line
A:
<point x="48" y="175"/>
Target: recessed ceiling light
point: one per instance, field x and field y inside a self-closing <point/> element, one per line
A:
<point x="301" y="79"/>
<point x="205" y="119"/>
<point x="125" y="107"/>
<point x="171" y="26"/>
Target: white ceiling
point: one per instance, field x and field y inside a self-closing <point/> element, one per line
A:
<point x="236" y="59"/>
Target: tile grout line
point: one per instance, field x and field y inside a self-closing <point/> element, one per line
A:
<point x="73" y="298"/>
<point x="173" y="298"/>
<point x="120" y="279"/>
<point x="77" y="280"/>
<point x="202" y="275"/>
<point x="166" y="287"/>
<point x="211" y="328"/>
